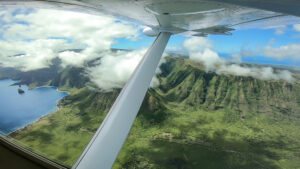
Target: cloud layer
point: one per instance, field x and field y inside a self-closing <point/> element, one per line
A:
<point x="115" y="68"/>
<point x="41" y="34"/>
<point x="285" y="51"/>
<point x="30" y="39"/>
<point x="200" y="49"/>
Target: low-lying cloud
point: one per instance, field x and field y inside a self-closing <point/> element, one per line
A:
<point x="41" y="35"/>
<point x="115" y="68"/>
<point x="31" y="55"/>
<point x="200" y="49"/>
<point x="31" y="39"/>
<point x="282" y="52"/>
<point x="296" y="27"/>
<point x="289" y="51"/>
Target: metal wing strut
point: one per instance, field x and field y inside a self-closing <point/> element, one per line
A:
<point x="106" y="144"/>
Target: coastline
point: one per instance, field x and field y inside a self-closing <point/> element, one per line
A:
<point x="42" y="119"/>
<point x="57" y="89"/>
<point x="14" y="131"/>
<point x="32" y="88"/>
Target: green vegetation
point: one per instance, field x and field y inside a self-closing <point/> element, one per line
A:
<point x="214" y="121"/>
<point x="63" y="135"/>
<point x="193" y="119"/>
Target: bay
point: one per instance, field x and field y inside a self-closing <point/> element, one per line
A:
<point x="19" y="110"/>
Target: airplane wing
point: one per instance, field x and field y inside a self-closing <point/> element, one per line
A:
<point x="163" y="18"/>
<point x="175" y="16"/>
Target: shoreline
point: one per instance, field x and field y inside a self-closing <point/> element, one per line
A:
<point x="42" y="117"/>
<point x="32" y="88"/>
<point x="57" y="88"/>
<point x="26" y="127"/>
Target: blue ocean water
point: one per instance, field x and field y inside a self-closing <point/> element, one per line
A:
<point x="19" y="110"/>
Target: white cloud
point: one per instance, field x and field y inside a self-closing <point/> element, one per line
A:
<point x="264" y="73"/>
<point x="288" y="51"/>
<point x="30" y="55"/>
<point x="201" y="49"/>
<point x="280" y="30"/>
<point x="198" y="44"/>
<point x="115" y="68"/>
<point x="282" y="52"/>
<point x="236" y="58"/>
<point x="297" y="27"/>
<point x="42" y="34"/>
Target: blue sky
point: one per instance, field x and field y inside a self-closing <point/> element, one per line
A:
<point x="249" y="39"/>
<point x="252" y="38"/>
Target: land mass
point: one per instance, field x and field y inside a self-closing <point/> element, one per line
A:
<point x="21" y="91"/>
<point x="193" y="119"/>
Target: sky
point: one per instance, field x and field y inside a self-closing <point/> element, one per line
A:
<point x="240" y="41"/>
<point x="31" y="38"/>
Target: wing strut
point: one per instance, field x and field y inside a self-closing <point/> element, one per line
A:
<point x="107" y="142"/>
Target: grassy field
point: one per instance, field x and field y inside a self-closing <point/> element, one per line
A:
<point x="211" y="139"/>
<point x="192" y="120"/>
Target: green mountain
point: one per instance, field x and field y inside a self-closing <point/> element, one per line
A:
<point x="193" y="119"/>
<point x="189" y="84"/>
<point x="196" y="119"/>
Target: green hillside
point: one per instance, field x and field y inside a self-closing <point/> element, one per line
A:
<point x="214" y="121"/>
<point x="189" y="84"/>
<point x="193" y="119"/>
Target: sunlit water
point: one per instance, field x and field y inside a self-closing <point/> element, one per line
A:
<point x="18" y="110"/>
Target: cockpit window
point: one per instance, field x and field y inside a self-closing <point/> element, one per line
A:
<point x="216" y="101"/>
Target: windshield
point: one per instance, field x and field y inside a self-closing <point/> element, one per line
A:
<point x="215" y="102"/>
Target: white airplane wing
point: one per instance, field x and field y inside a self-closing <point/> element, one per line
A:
<point x="176" y="16"/>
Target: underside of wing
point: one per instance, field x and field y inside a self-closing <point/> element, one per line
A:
<point x="189" y="17"/>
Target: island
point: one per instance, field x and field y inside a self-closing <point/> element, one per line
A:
<point x="21" y="91"/>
